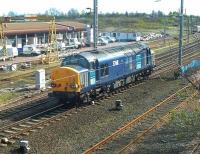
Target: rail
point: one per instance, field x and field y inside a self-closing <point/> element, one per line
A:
<point x="141" y="135"/>
<point x="134" y="121"/>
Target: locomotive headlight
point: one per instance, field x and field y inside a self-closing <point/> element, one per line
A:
<point x="74" y="86"/>
<point x="53" y="85"/>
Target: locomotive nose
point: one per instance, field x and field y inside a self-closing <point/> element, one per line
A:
<point x="65" y="80"/>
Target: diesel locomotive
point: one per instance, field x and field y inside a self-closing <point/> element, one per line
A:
<point x="84" y="76"/>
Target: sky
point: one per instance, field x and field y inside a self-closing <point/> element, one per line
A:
<point x="40" y="6"/>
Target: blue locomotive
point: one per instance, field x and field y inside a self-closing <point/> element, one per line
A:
<point x="88" y="74"/>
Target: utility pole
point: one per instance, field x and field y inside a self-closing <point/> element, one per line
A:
<point x="188" y="26"/>
<point x="188" y="29"/>
<point x="181" y="38"/>
<point x="164" y="30"/>
<point x="95" y="24"/>
<point x="191" y="28"/>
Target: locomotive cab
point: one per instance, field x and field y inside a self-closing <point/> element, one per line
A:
<point x="67" y="82"/>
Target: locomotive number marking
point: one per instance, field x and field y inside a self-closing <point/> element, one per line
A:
<point x="115" y="62"/>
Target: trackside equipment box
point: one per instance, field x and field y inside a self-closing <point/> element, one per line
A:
<point x="40" y="79"/>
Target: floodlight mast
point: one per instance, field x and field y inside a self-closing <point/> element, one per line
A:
<point x="95" y="24"/>
<point x="181" y="23"/>
<point x="181" y="37"/>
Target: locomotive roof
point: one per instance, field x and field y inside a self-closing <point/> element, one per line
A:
<point x="76" y="67"/>
<point x="109" y="53"/>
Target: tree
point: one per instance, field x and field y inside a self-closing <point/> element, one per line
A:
<point x="53" y="12"/>
<point x="174" y="14"/>
<point x="12" y="14"/>
<point x="73" y="13"/>
<point x="160" y="14"/>
<point x="126" y="14"/>
<point x="154" y="14"/>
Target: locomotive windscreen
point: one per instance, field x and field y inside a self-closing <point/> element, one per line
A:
<point x="75" y="60"/>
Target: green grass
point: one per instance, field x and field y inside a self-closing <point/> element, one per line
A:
<point x="144" y="24"/>
<point x="6" y="96"/>
<point x="186" y="121"/>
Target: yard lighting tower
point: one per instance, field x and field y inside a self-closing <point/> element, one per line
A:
<point x="95" y="24"/>
<point x="181" y="37"/>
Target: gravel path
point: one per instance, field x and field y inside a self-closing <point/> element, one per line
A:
<point x="78" y="132"/>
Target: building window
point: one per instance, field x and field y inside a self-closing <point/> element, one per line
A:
<point x="104" y="69"/>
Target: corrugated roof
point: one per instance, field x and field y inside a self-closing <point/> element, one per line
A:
<point x="36" y="27"/>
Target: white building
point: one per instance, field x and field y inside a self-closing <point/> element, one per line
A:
<point x="123" y="36"/>
<point x="36" y="33"/>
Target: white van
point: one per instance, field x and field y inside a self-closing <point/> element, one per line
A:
<point x="31" y="50"/>
<point x="12" y="52"/>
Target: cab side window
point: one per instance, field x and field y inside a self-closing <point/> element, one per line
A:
<point x="104" y="69"/>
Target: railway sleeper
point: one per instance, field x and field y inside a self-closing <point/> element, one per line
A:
<point x="46" y="124"/>
<point x="31" y="123"/>
<point x="9" y="131"/>
<point x="3" y="145"/>
<point x="25" y="133"/>
<point x="35" y="120"/>
<point x="33" y="130"/>
<point x="26" y="126"/>
<point x="44" y="118"/>
<point x="40" y="127"/>
<point x="17" y="129"/>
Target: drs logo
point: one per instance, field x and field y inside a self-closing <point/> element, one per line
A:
<point x="115" y="62"/>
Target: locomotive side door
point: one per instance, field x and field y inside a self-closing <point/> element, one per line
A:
<point x="97" y="69"/>
<point x="130" y="63"/>
<point x="148" y="56"/>
<point x="138" y="60"/>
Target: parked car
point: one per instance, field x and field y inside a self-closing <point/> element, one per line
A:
<point x="72" y="43"/>
<point x="102" y="41"/>
<point x="109" y="38"/>
<point x="31" y="50"/>
<point x="60" y="45"/>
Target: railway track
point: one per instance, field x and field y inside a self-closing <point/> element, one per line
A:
<point x="14" y="78"/>
<point x="23" y="105"/>
<point x="142" y="124"/>
<point x="131" y="146"/>
<point x="196" y="149"/>
<point x="170" y="63"/>
<point x="163" y="68"/>
<point x="174" y="51"/>
<point x="10" y="79"/>
<point x="172" y="54"/>
<point x="39" y="120"/>
<point x="23" y="127"/>
<point x="18" y="113"/>
<point x="23" y="100"/>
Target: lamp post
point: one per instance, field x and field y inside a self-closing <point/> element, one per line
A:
<point x="95" y="23"/>
<point x="181" y="37"/>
